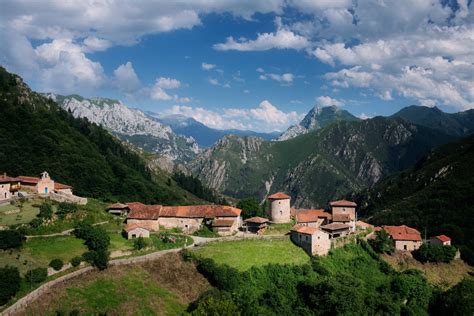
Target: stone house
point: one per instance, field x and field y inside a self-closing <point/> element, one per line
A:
<point x="8" y="187"/>
<point x="363" y="225"/>
<point x="312" y="218"/>
<point x="335" y="229"/>
<point x="344" y="212"/>
<point x="313" y="240"/>
<point x="406" y="238"/>
<point x="135" y="230"/>
<point x="256" y="224"/>
<point x="223" y="219"/>
<point x="280" y="208"/>
<point x="440" y="240"/>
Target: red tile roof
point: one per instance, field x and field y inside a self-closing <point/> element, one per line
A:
<point x="198" y="211"/>
<point x="278" y="196"/>
<point x="306" y="216"/>
<point x="256" y="220"/>
<point x="403" y="232"/>
<point x="117" y="206"/>
<point x="335" y="226"/>
<point x="223" y="222"/>
<point x="443" y="238"/>
<point x="60" y="186"/>
<point x="343" y="203"/>
<point x="133" y="226"/>
<point x="364" y="224"/>
<point x="141" y="211"/>
<point x="27" y="179"/>
<point x="308" y="230"/>
<point x="6" y="179"/>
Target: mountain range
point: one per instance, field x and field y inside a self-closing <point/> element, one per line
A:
<point x="131" y="125"/>
<point x="204" y="135"/>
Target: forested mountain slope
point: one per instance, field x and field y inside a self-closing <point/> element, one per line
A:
<point x="436" y="195"/>
<point x="319" y="166"/>
<point x="37" y="135"/>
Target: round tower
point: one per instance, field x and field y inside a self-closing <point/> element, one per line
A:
<point x="280" y="208"/>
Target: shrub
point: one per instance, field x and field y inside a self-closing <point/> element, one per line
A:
<point x="65" y="208"/>
<point x="36" y="222"/>
<point x="11" y="239"/>
<point x="9" y="283"/>
<point x="435" y="253"/>
<point x="99" y="258"/>
<point x="382" y="242"/>
<point x="56" y="264"/>
<point x="37" y="275"/>
<point x="204" y="231"/>
<point x="140" y="243"/>
<point x="76" y="261"/>
<point x="46" y="211"/>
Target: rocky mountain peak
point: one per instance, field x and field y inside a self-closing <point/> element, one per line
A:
<point x="318" y="117"/>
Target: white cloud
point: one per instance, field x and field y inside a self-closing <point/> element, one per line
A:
<point x="281" y="39"/>
<point x="168" y="83"/>
<point x="264" y="117"/>
<point x="285" y="79"/>
<point x="328" y="101"/>
<point x="364" y="116"/>
<point x="93" y="44"/>
<point x="207" y="66"/>
<point x="216" y="82"/>
<point x="126" y="78"/>
<point x="159" y="90"/>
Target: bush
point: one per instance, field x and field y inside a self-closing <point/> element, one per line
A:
<point x="435" y="253"/>
<point x="382" y="242"/>
<point x="46" y="211"/>
<point x="10" y="281"/>
<point x="140" y="243"/>
<point x="11" y="239"/>
<point x="204" y="231"/>
<point x="65" y="208"/>
<point x="98" y="259"/>
<point x="37" y="275"/>
<point x="56" y="264"/>
<point x="76" y="261"/>
<point x="95" y="237"/>
<point x="36" y="222"/>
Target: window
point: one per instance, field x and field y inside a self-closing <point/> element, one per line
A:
<point x="404" y="247"/>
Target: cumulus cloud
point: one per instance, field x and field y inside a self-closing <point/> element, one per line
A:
<point x="126" y="78"/>
<point x="159" y="90"/>
<point x="264" y="117"/>
<point x="284" y="79"/>
<point x="206" y="66"/>
<point x="283" y="38"/>
<point x="328" y="101"/>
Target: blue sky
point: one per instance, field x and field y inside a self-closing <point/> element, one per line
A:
<point x="257" y="65"/>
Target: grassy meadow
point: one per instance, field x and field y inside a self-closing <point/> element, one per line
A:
<point x="244" y="254"/>
<point x="146" y="289"/>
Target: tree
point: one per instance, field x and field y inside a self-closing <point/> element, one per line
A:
<point x="97" y="241"/>
<point x="459" y="300"/>
<point x="382" y="242"/>
<point x="76" y="261"/>
<point x="56" y="264"/>
<point x="140" y="243"/>
<point x="36" y="275"/>
<point x="11" y="239"/>
<point x="249" y="207"/>
<point x="435" y="253"/>
<point x="9" y="283"/>
<point x="46" y="211"/>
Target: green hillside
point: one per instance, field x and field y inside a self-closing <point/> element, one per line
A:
<point x="457" y="124"/>
<point x="319" y="166"/>
<point x="437" y="194"/>
<point x="37" y="135"/>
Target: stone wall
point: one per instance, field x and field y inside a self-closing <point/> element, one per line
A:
<point x="63" y="197"/>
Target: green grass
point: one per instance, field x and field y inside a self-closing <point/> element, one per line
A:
<point x="159" y="244"/>
<point x="118" y="242"/>
<point x="27" y="213"/>
<point x="279" y="229"/>
<point x="130" y="291"/>
<point x="244" y="254"/>
<point x="38" y="252"/>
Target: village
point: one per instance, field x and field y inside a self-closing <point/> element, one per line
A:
<point x="317" y="231"/>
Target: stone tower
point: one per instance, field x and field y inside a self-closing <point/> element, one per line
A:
<point x="280" y="208"/>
